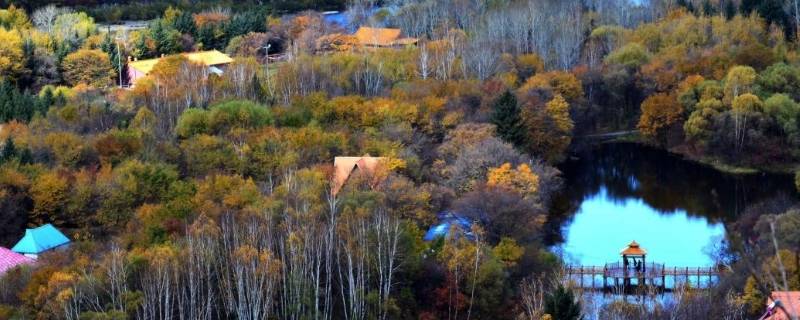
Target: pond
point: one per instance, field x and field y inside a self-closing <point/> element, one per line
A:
<point x="676" y="209"/>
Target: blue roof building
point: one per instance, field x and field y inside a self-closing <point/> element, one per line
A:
<point x="446" y="221"/>
<point x="39" y="240"/>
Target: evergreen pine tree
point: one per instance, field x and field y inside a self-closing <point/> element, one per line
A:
<point x="9" y="151"/>
<point x="506" y="117"/>
<point x="690" y="7"/>
<point x="5" y="101"/>
<point x="258" y="91"/>
<point x="205" y="36"/>
<point x="561" y="305"/>
<point x="46" y="100"/>
<point x="140" y="48"/>
<point x="26" y="157"/>
<point x="708" y="8"/>
<point x="730" y="9"/>
<point x="110" y="46"/>
<point x="184" y="24"/>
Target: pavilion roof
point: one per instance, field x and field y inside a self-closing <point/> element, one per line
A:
<point x="633" y="249"/>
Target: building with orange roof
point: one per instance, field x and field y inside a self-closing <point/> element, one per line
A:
<point x="633" y="249"/>
<point x="382" y="37"/>
<point x="635" y="253"/>
<point x="345" y="167"/>
<point x="782" y="305"/>
<point x="215" y="61"/>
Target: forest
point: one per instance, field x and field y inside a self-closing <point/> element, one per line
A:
<point x="197" y="195"/>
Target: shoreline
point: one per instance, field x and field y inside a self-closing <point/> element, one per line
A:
<point x="712" y="162"/>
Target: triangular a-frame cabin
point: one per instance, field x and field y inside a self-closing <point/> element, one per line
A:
<point x="344" y="167"/>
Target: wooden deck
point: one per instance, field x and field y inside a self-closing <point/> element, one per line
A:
<point x="653" y="274"/>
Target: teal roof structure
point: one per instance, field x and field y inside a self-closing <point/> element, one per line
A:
<point x="40" y="239"/>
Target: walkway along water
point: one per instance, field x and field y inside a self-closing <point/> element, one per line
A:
<point x="624" y="277"/>
<point x="678" y="209"/>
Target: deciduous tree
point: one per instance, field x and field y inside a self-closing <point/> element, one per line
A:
<point x="659" y="113"/>
<point x="90" y="67"/>
<point x="11" y="55"/>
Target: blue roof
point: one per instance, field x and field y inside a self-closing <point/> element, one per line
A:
<point x="442" y="229"/>
<point x="345" y="19"/>
<point x="40" y="239"/>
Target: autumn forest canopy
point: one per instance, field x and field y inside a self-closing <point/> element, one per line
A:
<point x="209" y="190"/>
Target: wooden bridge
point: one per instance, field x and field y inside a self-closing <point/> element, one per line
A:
<point x="625" y="276"/>
<point x="616" y="276"/>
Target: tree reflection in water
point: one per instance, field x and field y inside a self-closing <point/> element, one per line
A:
<point x="663" y="181"/>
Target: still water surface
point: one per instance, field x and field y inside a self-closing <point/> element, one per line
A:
<point x="676" y="209"/>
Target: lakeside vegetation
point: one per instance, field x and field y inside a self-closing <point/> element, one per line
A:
<point x="202" y="196"/>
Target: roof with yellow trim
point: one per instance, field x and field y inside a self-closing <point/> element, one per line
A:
<point x="633" y="249"/>
<point x="143" y="66"/>
<point x="208" y="58"/>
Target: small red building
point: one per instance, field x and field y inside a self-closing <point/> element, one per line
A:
<point x="788" y="308"/>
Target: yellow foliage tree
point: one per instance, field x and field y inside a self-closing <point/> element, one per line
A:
<point x="659" y="113"/>
<point x="558" y="109"/>
<point x="11" y="55"/>
<point x="549" y="128"/>
<point x="752" y="297"/>
<point x="562" y="83"/>
<point x="14" y="18"/>
<point x="66" y="147"/>
<point x="49" y="194"/>
<point x="740" y="80"/>
<point x="508" y="251"/>
<point x="90" y="67"/>
<point x="522" y="179"/>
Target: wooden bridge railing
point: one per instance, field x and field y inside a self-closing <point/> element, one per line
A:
<point x="650" y="273"/>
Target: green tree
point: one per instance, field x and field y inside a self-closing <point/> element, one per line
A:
<point x="771" y="10"/>
<point x="698" y="128"/>
<point x="167" y="39"/>
<point x="221" y="118"/>
<point x="112" y="48"/>
<point x="9" y="150"/>
<point x="708" y="8"/>
<point x="506" y="117"/>
<point x="786" y="112"/>
<point x="730" y="9"/>
<point x="561" y="304"/>
<point x="134" y="183"/>
<point x="780" y="78"/>
<point x="631" y="56"/>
